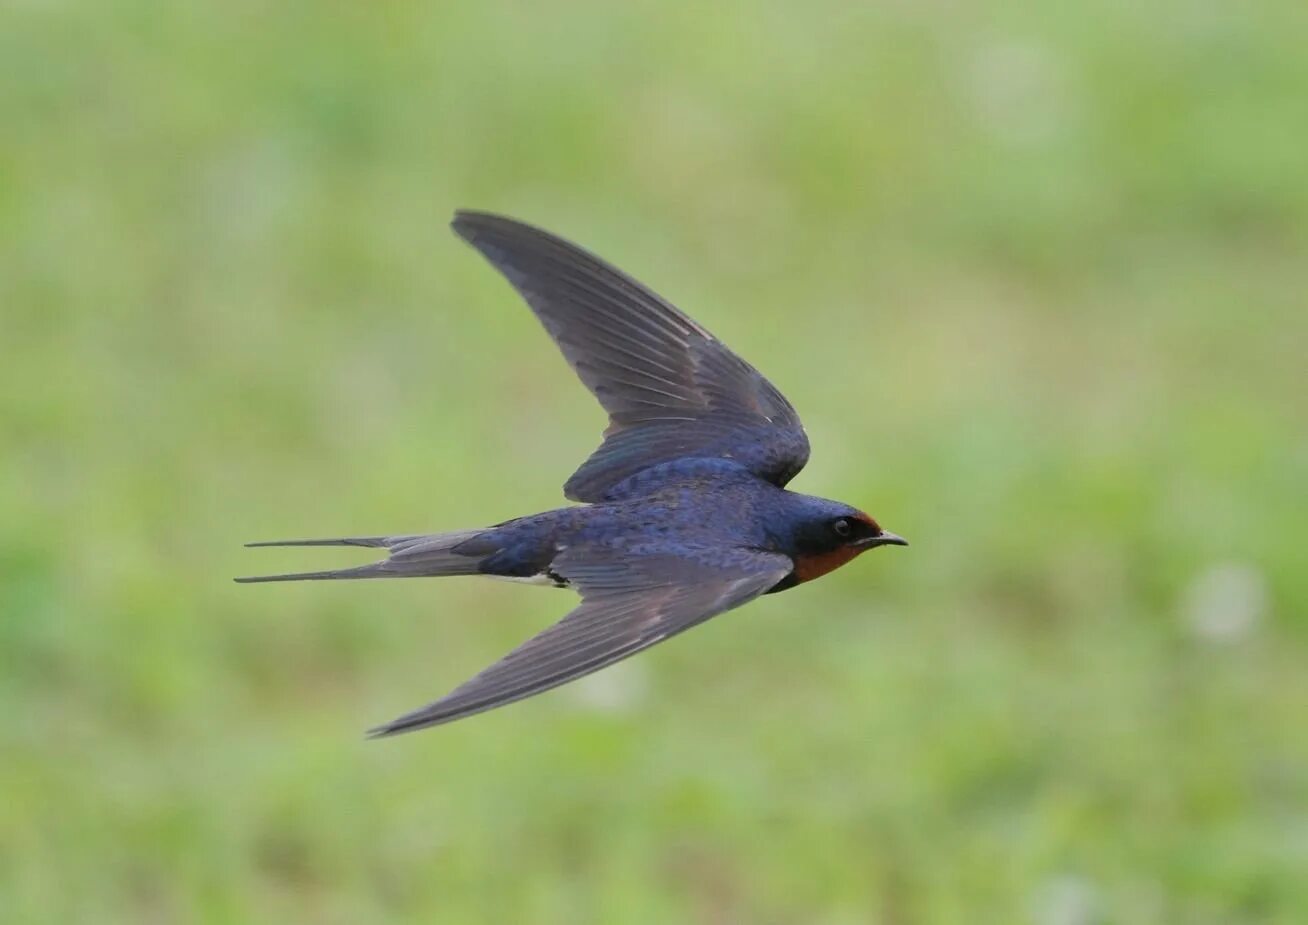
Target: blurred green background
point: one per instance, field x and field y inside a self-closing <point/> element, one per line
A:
<point x="1034" y="275"/>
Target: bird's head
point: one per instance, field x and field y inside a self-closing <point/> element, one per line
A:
<point x="828" y="534"/>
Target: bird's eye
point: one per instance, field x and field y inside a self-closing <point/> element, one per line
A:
<point x="842" y="527"/>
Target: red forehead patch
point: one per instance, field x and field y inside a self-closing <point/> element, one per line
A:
<point x="867" y="519"/>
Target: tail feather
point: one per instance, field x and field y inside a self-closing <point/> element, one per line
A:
<point x="363" y="571"/>
<point x="411" y="556"/>
<point x="374" y="541"/>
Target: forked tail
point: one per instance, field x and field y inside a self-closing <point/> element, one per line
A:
<point x="411" y="556"/>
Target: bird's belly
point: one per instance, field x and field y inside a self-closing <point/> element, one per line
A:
<point x="545" y="579"/>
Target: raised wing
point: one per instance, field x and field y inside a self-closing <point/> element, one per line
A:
<point x="629" y="603"/>
<point x="671" y="389"/>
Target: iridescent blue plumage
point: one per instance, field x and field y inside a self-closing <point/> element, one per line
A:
<point x="687" y="512"/>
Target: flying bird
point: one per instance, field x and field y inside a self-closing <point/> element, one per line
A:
<point x="684" y="512"/>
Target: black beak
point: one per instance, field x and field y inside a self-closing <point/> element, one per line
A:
<point x="883" y="539"/>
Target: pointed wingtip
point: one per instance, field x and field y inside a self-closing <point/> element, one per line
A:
<point x="465" y="221"/>
<point x="472" y="224"/>
<point x="424" y="718"/>
<point x="384" y="731"/>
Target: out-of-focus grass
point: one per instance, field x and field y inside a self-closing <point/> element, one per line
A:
<point x="1035" y="277"/>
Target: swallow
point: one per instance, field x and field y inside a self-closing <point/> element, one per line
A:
<point x="683" y="512"/>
